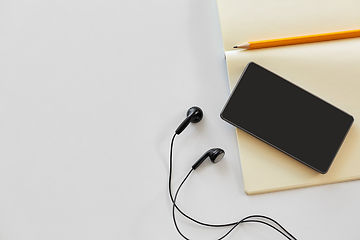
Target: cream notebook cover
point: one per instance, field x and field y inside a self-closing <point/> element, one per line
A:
<point x="330" y="70"/>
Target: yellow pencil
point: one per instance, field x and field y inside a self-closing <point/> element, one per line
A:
<point x="300" y="39"/>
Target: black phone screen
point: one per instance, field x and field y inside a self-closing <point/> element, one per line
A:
<point x="287" y="117"/>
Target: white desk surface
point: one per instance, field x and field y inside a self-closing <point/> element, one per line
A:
<point x="90" y="95"/>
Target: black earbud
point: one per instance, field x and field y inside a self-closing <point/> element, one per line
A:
<point x="215" y="155"/>
<point x="194" y="115"/>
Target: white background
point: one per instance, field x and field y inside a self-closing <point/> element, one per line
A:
<point x="90" y="95"/>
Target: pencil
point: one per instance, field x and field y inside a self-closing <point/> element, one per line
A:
<point x="299" y="39"/>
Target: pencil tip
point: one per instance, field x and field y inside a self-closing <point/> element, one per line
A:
<point x="243" y="46"/>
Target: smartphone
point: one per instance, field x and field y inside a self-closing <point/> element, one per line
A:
<point x="287" y="117"/>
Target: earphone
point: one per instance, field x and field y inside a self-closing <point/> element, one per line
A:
<point x="194" y="115"/>
<point x="215" y="155"/>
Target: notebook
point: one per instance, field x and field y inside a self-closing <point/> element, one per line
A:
<point x="327" y="69"/>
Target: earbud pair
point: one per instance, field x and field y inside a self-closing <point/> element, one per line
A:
<point x="194" y="115"/>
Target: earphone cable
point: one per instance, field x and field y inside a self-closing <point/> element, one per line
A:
<point x="172" y="199"/>
<point x="244" y="220"/>
<point x="192" y="219"/>
<point x="234" y="224"/>
<point x="174" y="204"/>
